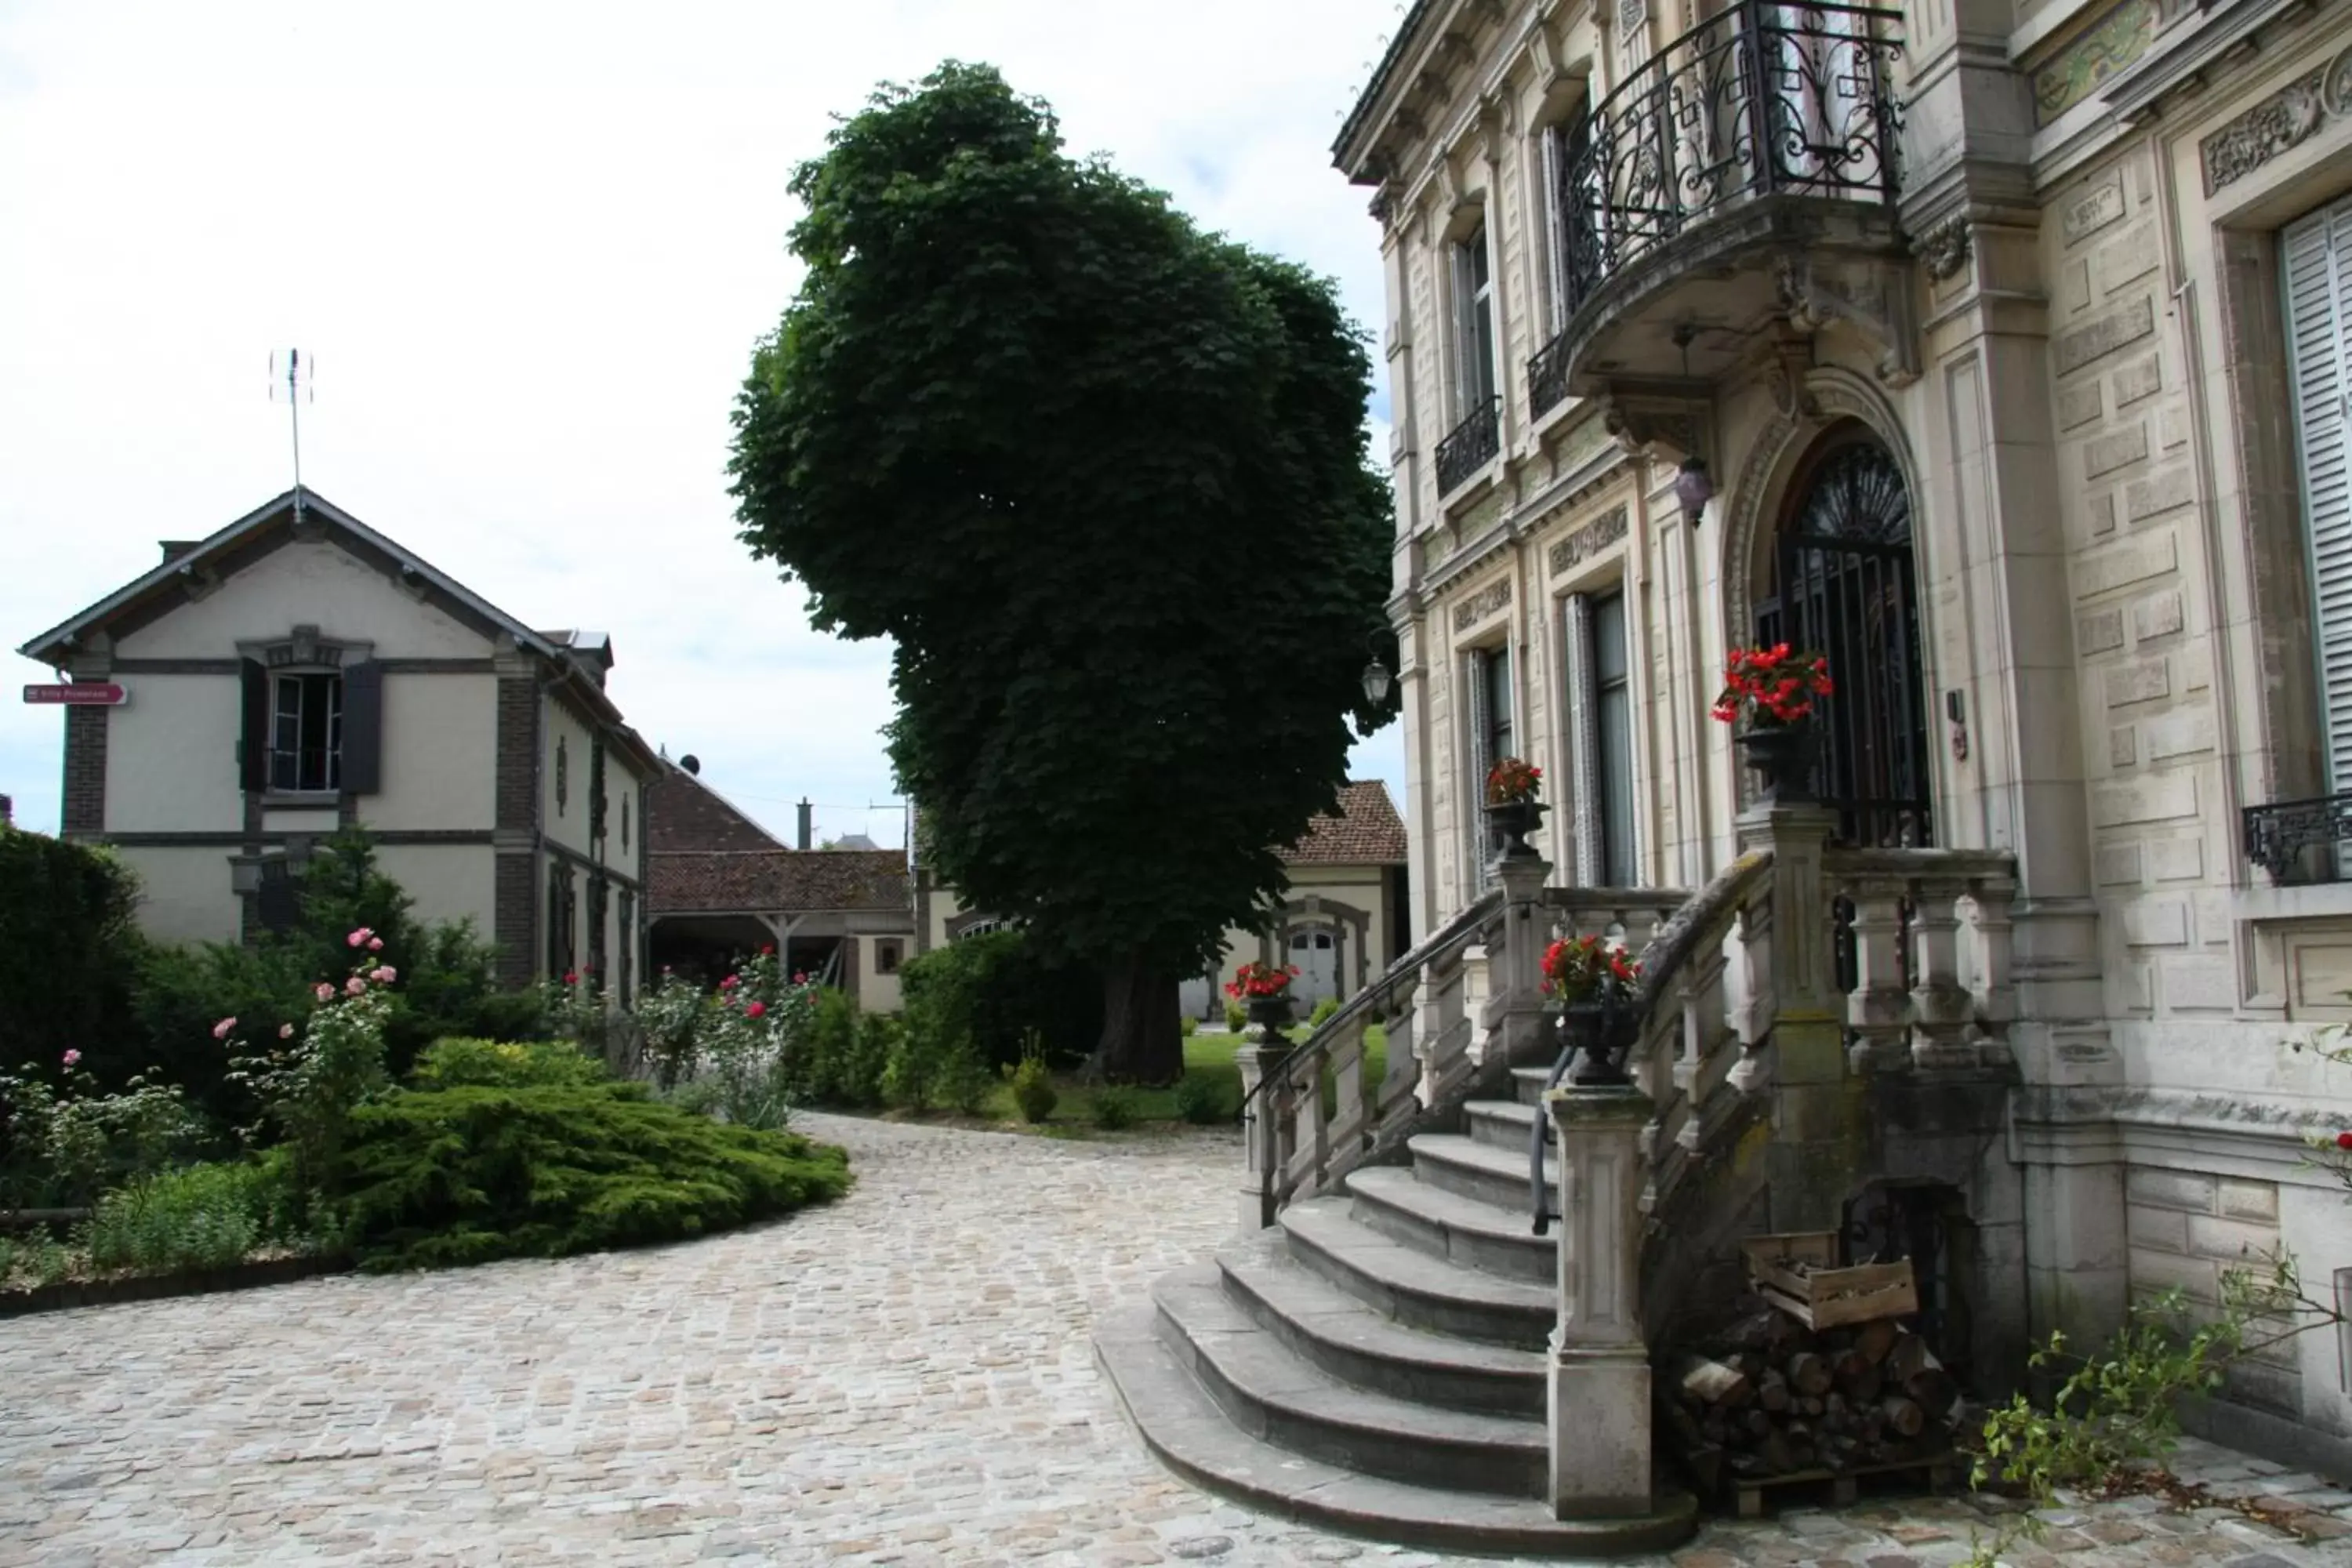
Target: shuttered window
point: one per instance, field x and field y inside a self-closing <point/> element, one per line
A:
<point x="2318" y="263"/>
<point x="1612" y="738"/>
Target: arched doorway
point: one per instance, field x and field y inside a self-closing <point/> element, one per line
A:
<point x="1841" y="583"/>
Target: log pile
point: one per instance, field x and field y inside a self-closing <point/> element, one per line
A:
<point x="1772" y="1397"/>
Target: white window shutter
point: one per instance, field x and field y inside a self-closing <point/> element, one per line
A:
<point x="2318" y="267"/>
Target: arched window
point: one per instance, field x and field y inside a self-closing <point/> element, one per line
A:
<point x="1841" y="583"/>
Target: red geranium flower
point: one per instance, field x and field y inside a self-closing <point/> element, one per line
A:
<point x="755" y="1009"/>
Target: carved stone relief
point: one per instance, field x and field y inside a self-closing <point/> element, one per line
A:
<point x="2099" y="53"/>
<point x="1944" y="250"/>
<point x="1589" y="540"/>
<point x="1486" y="602"/>
<point x="1868" y="296"/>
<point x="2285" y="119"/>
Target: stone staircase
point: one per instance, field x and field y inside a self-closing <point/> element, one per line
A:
<point x="1374" y="1362"/>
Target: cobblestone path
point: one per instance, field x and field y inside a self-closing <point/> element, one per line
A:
<point x="902" y="1377"/>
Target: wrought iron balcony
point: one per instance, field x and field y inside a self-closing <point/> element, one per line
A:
<point x="1761" y="99"/>
<point x="2300" y="840"/>
<point x="1470" y="446"/>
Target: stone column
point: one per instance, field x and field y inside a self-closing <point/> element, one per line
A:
<point x="1259" y="1134"/>
<point x="1599" y="1381"/>
<point x="1515" y="1006"/>
<point x="1818" y="1127"/>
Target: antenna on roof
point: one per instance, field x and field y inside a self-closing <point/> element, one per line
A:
<point x="297" y="380"/>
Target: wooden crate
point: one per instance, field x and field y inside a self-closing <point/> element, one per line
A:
<point x="1825" y="1296"/>
<point x="1935" y="1472"/>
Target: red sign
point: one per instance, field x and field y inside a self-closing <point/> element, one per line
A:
<point x="81" y="694"/>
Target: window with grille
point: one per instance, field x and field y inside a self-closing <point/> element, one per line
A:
<point x="306" y="732"/>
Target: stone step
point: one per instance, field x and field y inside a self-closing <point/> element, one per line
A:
<point x="1463" y="1231"/>
<point x="1347" y="1338"/>
<point x="1529" y="1084"/>
<point x="1269" y="1391"/>
<point x="1413" y="1287"/>
<point x="1181" y="1424"/>
<point x="1501" y="1122"/>
<point x="1477" y="1170"/>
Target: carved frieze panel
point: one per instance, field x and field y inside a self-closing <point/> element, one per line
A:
<point x="1487" y="601"/>
<point x="2102" y="51"/>
<point x="2283" y="121"/>
<point x="1589" y="540"/>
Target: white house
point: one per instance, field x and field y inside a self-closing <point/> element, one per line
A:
<point x="297" y="672"/>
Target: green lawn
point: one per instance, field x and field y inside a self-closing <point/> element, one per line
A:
<point x="1206" y="1056"/>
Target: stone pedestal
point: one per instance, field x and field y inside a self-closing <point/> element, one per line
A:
<point x="1516" y="1015"/>
<point x="1598" y="1395"/>
<point x="1260" y="1137"/>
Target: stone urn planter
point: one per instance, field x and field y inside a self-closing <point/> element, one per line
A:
<point x="1514" y="820"/>
<point x="1783" y="757"/>
<point x="1603" y="1035"/>
<point x="1270" y="1014"/>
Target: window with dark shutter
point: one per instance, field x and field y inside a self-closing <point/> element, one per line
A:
<point x="306" y="732"/>
<point x="253" y="745"/>
<point x="362" y="737"/>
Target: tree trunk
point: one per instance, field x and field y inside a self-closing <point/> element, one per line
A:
<point x="1140" y="1042"/>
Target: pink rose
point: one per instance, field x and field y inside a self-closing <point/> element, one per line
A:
<point x="729" y="983"/>
<point x="285" y="1031"/>
<point x="375" y="944"/>
<point x="72" y="1058"/>
<point x="384" y="975"/>
<point x="755" y="1009"/>
<point x="326" y="992"/>
<point x="359" y="938"/>
<point x="354" y="986"/>
<point x="221" y="1029"/>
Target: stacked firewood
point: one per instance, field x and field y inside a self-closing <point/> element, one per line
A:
<point x="1773" y="1397"/>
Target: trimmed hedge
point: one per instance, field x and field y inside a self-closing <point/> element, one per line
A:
<point x="465" y="1175"/>
<point x="67" y="950"/>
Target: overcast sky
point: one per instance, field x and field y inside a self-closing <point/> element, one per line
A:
<point x="529" y="248"/>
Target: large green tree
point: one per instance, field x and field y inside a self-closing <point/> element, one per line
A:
<point x="1102" y="479"/>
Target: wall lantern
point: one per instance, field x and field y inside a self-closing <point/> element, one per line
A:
<point x="1376" y="681"/>
<point x="1693" y="488"/>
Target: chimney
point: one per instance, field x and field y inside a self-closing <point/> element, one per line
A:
<point x="175" y="548"/>
<point x="805" y="822"/>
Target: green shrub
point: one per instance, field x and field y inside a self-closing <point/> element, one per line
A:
<point x="67" y="947"/>
<point x="1323" y="1009"/>
<point x="993" y="990"/>
<point x="504" y="1064"/>
<point x="1113" y="1107"/>
<point x="1201" y="1101"/>
<point x="1188" y="1027"/>
<point x="1034" y="1094"/>
<point x="1237" y="1016"/>
<point x="965" y="1082"/>
<point x="63" y="1146"/>
<point x="821" y="1056"/>
<point x="199" y="1216"/>
<point x="467" y="1174"/>
<point x="910" y="1074"/>
<point x="859" y="1082"/>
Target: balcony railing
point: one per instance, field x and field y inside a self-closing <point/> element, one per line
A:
<point x="1761" y="100"/>
<point x="1470" y="446"/>
<point x="2300" y="840"/>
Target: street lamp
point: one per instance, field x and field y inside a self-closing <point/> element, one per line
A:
<point x="1376" y="681"/>
<point x="1693" y="488"/>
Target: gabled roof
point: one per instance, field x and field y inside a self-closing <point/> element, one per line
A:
<point x="1365" y="831"/>
<point x="682" y="813"/>
<point x="775" y="881"/>
<point x="51" y="648"/>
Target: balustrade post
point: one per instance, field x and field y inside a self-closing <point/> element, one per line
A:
<point x="1258" y="1140"/>
<point x="1995" y="993"/>
<point x="1940" y="1006"/>
<point x="1598" y="1378"/>
<point x="1879" y="1010"/>
<point x="1513" y="1011"/>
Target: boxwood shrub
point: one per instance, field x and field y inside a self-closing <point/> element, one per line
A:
<point x="475" y="1171"/>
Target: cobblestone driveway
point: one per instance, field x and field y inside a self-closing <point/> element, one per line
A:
<point x="903" y="1377"/>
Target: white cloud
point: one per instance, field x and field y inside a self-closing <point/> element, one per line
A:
<point x="529" y="248"/>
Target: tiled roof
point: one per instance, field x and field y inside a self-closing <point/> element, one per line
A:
<point x="1366" y="831"/>
<point x="684" y="813"/>
<point x="776" y="881"/>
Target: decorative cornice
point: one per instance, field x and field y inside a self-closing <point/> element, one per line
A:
<point x="2281" y="122"/>
<point x="2100" y="52"/>
<point x="1589" y="540"/>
